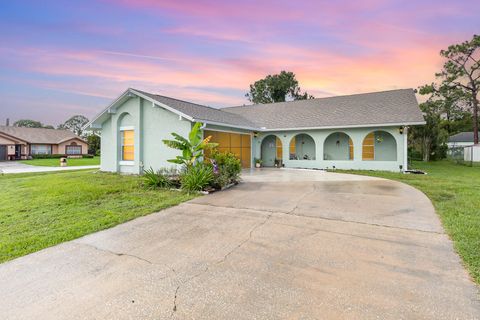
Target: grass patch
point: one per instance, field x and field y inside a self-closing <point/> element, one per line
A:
<point x="43" y="209"/>
<point x="455" y="192"/>
<point x="95" y="161"/>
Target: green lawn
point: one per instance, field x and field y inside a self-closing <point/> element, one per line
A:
<point x="43" y="209"/>
<point x="56" y="162"/>
<point x="455" y="192"/>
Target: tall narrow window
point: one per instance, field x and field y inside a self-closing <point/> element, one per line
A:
<point x="279" y="148"/>
<point x="128" y="145"/>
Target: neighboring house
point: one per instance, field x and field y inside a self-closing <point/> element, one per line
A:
<point x="20" y="143"/>
<point x="360" y="131"/>
<point x="461" y="146"/>
<point x="461" y="139"/>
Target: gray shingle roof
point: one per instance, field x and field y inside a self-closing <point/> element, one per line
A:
<point x="395" y="107"/>
<point x="387" y="107"/>
<point x="461" y="137"/>
<point x="200" y="112"/>
<point x="39" y="135"/>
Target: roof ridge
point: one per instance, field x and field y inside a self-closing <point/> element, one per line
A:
<point x="4" y="126"/>
<point x="332" y="97"/>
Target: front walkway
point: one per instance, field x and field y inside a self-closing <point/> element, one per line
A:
<point x="285" y="244"/>
<point x="17" y="167"/>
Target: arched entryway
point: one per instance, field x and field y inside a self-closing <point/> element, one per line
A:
<point x="338" y="146"/>
<point x="379" y="146"/>
<point x="302" y="147"/>
<point x="271" y="151"/>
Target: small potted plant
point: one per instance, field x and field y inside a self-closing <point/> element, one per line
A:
<point x="258" y="163"/>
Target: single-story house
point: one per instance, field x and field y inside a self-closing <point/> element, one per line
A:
<point x="461" y="139"/>
<point x="20" y="143"/>
<point x="359" y="131"/>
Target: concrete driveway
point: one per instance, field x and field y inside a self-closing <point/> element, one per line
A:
<point x="18" y="167"/>
<point x="285" y="244"/>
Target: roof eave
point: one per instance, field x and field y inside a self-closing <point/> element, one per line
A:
<point x="71" y="138"/>
<point x="111" y="109"/>
<point x="215" y="123"/>
<point x="412" y="123"/>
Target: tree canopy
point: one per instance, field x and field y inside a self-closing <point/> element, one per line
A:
<point x="460" y="76"/>
<point x="276" y="88"/>
<point x="75" y="124"/>
<point x="452" y="104"/>
<point x="27" y="123"/>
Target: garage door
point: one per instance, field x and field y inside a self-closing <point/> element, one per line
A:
<point x="236" y="143"/>
<point x="3" y="152"/>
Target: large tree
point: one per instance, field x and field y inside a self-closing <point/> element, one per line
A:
<point x="276" y="88"/>
<point x="75" y="124"/>
<point x="27" y="123"/>
<point x="461" y="72"/>
<point x="430" y="139"/>
<point x="451" y="104"/>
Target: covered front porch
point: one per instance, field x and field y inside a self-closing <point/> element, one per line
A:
<point x="380" y="148"/>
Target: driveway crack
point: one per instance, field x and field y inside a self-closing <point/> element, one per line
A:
<point x="246" y="240"/>
<point x="225" y="257"/>
<point x="301" y="199"/>
<point x="118" y="254"/>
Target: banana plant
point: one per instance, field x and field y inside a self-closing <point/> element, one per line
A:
<point x="191" y="148"/>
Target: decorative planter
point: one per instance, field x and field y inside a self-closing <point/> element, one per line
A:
<point x="257" y="165"/>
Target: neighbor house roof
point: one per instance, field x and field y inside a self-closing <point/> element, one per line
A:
<point x="395" y="107"/>
<point x="461" y="137"/>
<point x="39" y="135"/>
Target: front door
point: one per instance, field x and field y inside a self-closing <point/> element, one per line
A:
<point x="3" y="152"/>
<point x="269" y="151"/>
<point x="18" y="151"/>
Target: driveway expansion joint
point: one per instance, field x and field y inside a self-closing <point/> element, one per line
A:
<point x="317" y="218"/>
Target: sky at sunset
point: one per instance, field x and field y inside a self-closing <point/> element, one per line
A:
<point x="61" y="58"/>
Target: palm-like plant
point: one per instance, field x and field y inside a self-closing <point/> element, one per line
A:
<point x="192" y="148"/>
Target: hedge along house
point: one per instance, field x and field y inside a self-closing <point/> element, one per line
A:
<point x="361" y="131"/>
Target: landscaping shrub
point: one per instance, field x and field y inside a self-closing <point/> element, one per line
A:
<point x="197" y="177"/>
<point x="158" y="179"/>
<point x="227" y="168"/>
<point x="60" y="155"/>
<point x="47" y="156"/>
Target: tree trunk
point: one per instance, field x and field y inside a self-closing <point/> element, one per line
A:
<point x="426" y="149"/>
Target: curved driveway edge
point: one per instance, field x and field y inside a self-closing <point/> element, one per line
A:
<point x="284" y="244"/>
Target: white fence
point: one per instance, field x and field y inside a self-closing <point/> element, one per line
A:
<point x="471" y="153"/>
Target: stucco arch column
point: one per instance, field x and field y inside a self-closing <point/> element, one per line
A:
<point x="357" y="137"/>
<point x="319" y="139"/>
<point x="286" y="137"/>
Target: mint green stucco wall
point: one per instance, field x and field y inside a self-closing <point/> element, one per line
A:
<point x="151" y="125"/>
<point x="357" y="135"/>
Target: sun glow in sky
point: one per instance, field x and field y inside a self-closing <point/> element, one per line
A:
<point x="60" y="58"/>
